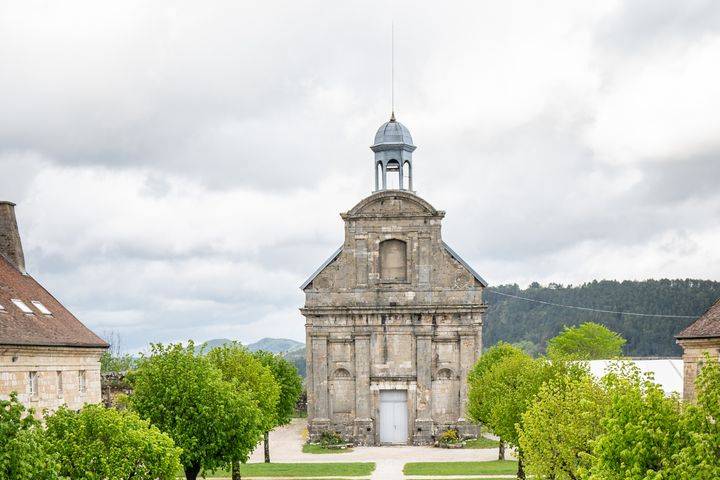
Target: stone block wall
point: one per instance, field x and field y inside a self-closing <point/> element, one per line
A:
<point x="694" y="351"/>
<point x="58" y="376"/>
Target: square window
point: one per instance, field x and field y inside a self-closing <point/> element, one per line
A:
<point x="43" y="309"/>
<point x="21" y="305"/>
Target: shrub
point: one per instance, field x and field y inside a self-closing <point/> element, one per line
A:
<point x="449" y="437"/>
<point x="330" y="439"/>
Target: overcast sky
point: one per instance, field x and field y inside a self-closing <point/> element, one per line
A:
<point x="179" y="167"/>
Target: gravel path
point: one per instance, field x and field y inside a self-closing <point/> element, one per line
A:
<point x="286" y="446"/>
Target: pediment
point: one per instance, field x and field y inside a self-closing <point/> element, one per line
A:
<point x="393" y="203"/>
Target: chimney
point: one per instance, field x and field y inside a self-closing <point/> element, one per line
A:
<point x="10" y="246"/>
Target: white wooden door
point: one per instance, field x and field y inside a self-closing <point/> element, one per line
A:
<point x="393" y="416"/>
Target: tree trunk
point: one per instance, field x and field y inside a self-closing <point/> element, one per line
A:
<point x="266" y="444"/>
<point x="501" y="450"/>
<point x="521" y="466"/>
<point x="191" y="471"/>
<point x="235" y="470"/>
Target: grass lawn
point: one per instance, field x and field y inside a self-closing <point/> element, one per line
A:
<point x="306" y="470"/>
<point x="461" y="468"/>
<point x="315" y="448"/>
<point x="481" y="442"/>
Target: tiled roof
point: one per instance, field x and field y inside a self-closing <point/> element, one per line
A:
<point x="18" y="328"/>
<point x="707" y="326"/>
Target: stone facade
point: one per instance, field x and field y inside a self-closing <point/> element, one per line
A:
<point x="395" y="309"/>
<point x="698" y="340"/>
<point x="57" y="376"/>
<point x="694" y="350"/>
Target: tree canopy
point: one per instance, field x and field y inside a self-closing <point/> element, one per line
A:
<point x="103" y="443"/>
<point x="589" y="341"/>
<point x="286" y="375"/>
<point x="503" y="386"/>
<point x="479" y="407"/>
<point x="641" y="431"/>
<point x="24" y="450"/>
<point x="560" y="425"/>
<point x="250" y="376"/>
<point x="185" y="396"/>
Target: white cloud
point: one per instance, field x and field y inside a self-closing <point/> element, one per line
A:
<point x="179" y="167"/>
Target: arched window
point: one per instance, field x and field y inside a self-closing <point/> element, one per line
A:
<point x="392" y="169"/>
<point x="444" y="374"/>
<point x="379" y="176"/>
<point x="393" y="260"/>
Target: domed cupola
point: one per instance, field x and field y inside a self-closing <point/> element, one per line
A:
<point x="393" y="149"/>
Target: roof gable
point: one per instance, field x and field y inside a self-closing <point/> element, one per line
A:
<point x="462" y="262"/>
<point x="321" y="268"/>
<point x="707" y="326"/>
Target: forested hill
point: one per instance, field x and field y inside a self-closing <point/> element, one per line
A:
<point x="515" y="320"/>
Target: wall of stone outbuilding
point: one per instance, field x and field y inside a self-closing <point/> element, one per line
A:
<point x="16" y="363"/>
<point x="694" y="351"/>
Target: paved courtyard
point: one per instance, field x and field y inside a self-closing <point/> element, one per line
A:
<point x="286" y="446"/>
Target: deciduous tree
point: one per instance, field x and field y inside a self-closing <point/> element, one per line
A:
<point x="560" y="425"/>
<point x="103" y="443"/>
<point x="589" y="341"/>
<point x="249" y="375"/>
<point x="700" y="458"/>
<point x="24" y="451"/>
<point x="185" y="396"/>
<point x="478" y="407"/>
<point x="290" y="382"/>
<point x="641" y="432"/>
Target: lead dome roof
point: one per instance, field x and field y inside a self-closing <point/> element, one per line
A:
<point x="393" y="131"/>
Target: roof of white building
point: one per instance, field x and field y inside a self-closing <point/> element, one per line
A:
<point x="668" y="372"/>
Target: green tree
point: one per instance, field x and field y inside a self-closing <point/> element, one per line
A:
<point x="286" y="375"/>
<point x="589" y="341"/>
<point x="102" y="443"/>
<point x="24" y="450"/>
<point x="560" y="425"/>
<point x="700" y="458"/>
<point x="506" y="390"/>
<point x="248" y="374"/>
<point x="641" y="432"/>
<point x="478" y="408"/>
<point x="185" y="396"/>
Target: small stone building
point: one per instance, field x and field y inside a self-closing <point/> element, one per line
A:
<point x="46" y="355"/>
<point x="393" y="317"/>
<point x="700" y="338"/>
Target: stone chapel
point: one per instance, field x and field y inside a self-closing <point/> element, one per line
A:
<point x="393" y="317"/>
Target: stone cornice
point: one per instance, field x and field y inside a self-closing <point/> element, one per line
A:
<point x="395" y="309"/>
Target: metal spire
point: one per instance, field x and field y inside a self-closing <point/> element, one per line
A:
<point x="392" y="71"/>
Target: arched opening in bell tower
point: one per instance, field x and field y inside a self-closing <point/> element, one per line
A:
<point x="393" y="173"/>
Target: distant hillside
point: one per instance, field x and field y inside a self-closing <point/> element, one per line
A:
<point x="275" y="345"/>
<point x="514" y="320"/>
<point x="210" y="344"/>
<point x="291" y="350"/>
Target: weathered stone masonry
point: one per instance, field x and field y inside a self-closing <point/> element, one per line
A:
<point x="394" y="309"/>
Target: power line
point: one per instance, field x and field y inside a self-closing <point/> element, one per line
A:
<point x="588" y="309"/>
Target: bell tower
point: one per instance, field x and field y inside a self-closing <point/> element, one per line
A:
<point x="393" y="149"/>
